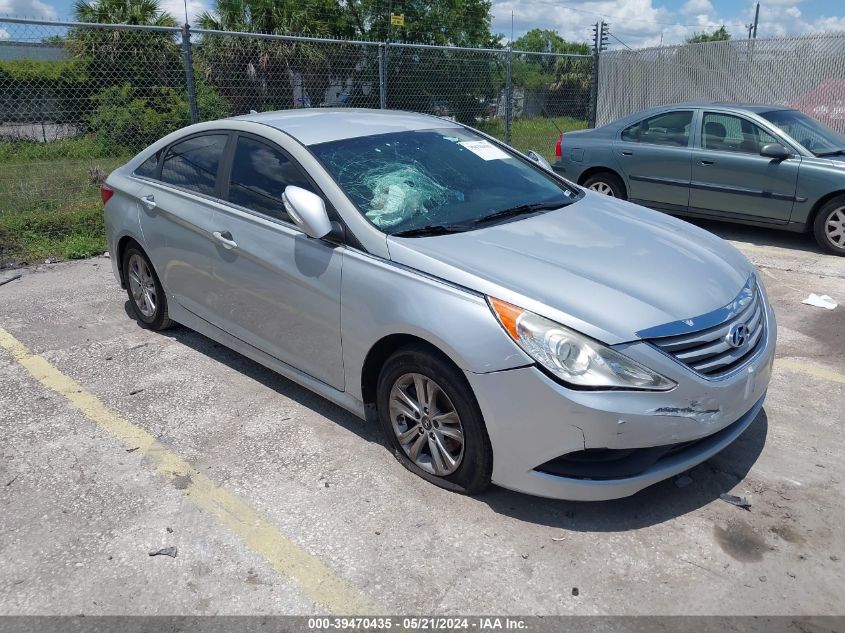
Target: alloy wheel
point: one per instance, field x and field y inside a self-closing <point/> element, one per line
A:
<point x="835" y="227"/>
<point x="426" y="424"/>
<point x="142" y="285"/>
<point x="602" y="188"/>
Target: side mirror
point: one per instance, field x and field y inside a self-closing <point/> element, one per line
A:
<point x="542" y="162"/>
<point x="775" y="150"/>
<point x="308" y="211"/>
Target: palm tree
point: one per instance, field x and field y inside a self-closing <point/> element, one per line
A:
<point x="143" y="59"/>
<point x="261" y="74"/>
<point x="137" y="12"/>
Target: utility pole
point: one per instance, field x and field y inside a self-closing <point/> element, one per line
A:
<point x="604" y="29"/>
<point x="756" y="20"/>
<point x="600" y="30"/>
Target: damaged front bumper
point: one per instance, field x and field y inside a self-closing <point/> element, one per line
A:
<point x="561" y="443"/>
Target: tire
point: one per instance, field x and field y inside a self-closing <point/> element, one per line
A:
<point x="606" y="183"/>
<point x="473" y="460"/>
<point x="829" y="226"/>
<point x="150" y="304"/>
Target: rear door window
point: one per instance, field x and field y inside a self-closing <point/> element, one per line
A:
<point x="192" y="164"/>
<point x="669" y="128"/>
<point x="260" y="174"/>
<point x="149" y="168"/>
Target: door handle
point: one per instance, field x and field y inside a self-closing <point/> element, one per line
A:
<point x="706" y="162"/>
<point x="627" y="153"/>
<point x="225" y="239"/>
<point x="149" y="202"/>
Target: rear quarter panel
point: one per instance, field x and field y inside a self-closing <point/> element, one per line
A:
<point x="121" y="214"/>
<point x="581" y="151"/>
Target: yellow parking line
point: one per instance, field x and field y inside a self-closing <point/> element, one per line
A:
<point x="810" y="369"/>
<point x="316" y="580"/>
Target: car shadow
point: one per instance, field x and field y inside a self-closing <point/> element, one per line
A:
<point x="760" y="236"/>
<point x="656" y="504"/>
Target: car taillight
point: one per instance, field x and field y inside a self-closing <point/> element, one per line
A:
<point x="106" y="193"/>
<point x="557" y="146"/>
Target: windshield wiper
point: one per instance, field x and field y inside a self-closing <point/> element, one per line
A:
<point x="432" y="229"/>
<point x="833" y="153"/>
<point x="523" y="209"/>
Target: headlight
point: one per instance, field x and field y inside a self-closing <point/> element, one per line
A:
<point x="572" y="357"/>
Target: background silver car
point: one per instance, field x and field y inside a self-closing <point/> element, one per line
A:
<point x="499" y="323"/>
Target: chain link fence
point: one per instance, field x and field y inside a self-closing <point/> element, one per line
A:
<point x="77" y="100"/>
<point x="806" y="72"/>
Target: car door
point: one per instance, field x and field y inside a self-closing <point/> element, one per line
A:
<point x="178" y="217"/>
<point x="281" y="289"/>
<point x="730" y="178"/>
<point x="655" y="156"/>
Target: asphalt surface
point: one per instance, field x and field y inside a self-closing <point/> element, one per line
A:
<point x="117" y="441"/>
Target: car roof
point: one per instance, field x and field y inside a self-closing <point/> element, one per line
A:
<point x="749" y="107"/>
<point x="727" y="105"/>
<point x="311" y="126"/>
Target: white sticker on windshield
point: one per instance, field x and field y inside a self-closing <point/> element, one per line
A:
<point x="485" y="150"/>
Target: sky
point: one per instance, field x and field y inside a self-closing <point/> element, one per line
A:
<point x="633" y="23"/>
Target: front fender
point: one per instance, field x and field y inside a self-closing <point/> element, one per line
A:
<point x="380" y="298"/>
<point x="817" y="181"/>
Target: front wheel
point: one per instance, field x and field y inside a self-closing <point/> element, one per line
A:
<point x="829" y="227"/>
<point x="607" y="184"/>
<point x="431" y="421"/>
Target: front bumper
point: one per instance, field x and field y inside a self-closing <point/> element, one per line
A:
<point x="548" y="420"/>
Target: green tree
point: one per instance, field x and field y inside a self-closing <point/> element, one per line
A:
<point x="114" y="56"/>
<point x="719" y="35"/>
<point x="261" y="74"/>
<point x="553" y="84"/>
<point x="137" y="12"/>
<point x="439" y="22"/>
<point x="137" y="89"/>
<point x="321" y="18"/>
<point x="265" y="74"/>
<point x="547" y="41"/>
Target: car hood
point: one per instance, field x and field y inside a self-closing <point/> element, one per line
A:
<point x="605" y="267"/>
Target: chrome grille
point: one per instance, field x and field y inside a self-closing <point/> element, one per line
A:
<point x="710" y="351"/>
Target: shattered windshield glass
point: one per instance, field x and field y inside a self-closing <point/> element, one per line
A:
<point x="408" y="181"/>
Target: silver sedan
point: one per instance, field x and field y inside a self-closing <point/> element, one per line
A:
<point x="499" y="323"/>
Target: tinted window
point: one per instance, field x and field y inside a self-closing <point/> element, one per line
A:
<point x="727" y="133"/>
<point x="670" y="128"/>
<point x="404" y="181"/>
<point x="260" y="174"/>
<point x="192" y="164"/>
<point x="149" y="167"/>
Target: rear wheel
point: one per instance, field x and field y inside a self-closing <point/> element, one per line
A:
<point x="146" y="296"/>
<point x="431" y="421"/>
<point x="829" y="227"/>
<point x="607" y="184"/>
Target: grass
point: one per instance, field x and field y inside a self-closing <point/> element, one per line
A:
<point x="539" y="134"/>
<point x="49" y="201"/>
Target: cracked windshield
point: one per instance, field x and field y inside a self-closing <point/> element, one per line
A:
<point x="441" y="180"/>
